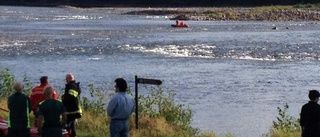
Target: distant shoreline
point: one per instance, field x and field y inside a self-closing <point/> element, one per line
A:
<point x="269" y="13"/>
<point x="232" y="14"/>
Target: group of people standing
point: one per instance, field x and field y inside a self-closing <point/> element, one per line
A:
<point x="48" y="109"/>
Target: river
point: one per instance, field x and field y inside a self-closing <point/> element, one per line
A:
<point x="232" y="74"/>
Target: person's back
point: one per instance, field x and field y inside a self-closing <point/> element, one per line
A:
<point x="19" y="108"/>
<point x="310" y="116"/>
<point x="182" y="23"/>
<point x="50" y="110"/>
<point x="37" y="95"/>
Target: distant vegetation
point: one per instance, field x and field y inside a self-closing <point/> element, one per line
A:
<point x="209" y="10"/>
<point x="157" y="3"/>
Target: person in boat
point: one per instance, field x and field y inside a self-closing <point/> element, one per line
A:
<point x="182" y="23"/>
<point x="310" y="116"/>
<point x="50" y="111"/>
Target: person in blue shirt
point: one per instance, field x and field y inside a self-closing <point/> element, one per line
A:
<point x="119" y="109"/>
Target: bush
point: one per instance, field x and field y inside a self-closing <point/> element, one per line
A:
<point x="158" y="104"/>
<point x="7" y="79"/>
<point x="6" y="82"/>
<point x="285" y="125"/>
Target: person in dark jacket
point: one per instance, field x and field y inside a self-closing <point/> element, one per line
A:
<point x="20" y="107"/>
<point x="310" y="116"/>
<point x="71" y="101"/>
<point x="49" y="111"/>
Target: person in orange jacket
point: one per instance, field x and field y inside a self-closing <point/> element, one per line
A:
<point x="37" y="95"/>
<point x="182" y="23"/>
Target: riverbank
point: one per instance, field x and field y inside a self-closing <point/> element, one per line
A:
<point x="270" y="13"/>
<point x="307" y="12"/>
<point x="267" y="13"/>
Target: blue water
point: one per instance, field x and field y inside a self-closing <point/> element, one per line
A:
<point x="233" y="75"/>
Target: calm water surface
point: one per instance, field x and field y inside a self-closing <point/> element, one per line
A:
<point x="233" y="75"/>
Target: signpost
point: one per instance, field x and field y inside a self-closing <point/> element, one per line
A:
<point x="143" y="81"/>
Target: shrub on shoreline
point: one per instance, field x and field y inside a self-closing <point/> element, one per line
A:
<point x="285" y="125"/>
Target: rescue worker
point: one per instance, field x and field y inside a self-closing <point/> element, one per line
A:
<point x="37" y="95"/>
<point x="182" y="23"/>
<point x="50" y="111"/>
<point x="71" y="101"/>
<point x="19" y="106"/>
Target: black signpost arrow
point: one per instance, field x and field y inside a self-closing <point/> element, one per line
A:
<point x="143" y="81"/>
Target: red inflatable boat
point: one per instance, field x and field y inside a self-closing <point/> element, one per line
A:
<point x="183" y="26"/>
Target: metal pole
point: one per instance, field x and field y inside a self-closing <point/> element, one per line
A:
<point x="136" y="98"/>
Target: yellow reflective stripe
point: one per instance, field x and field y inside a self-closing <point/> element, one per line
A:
<point x="73" y="92"/>
<point x="9" y="122"/>
<point x="75" y="112"/>
<point x="41" y="102"/>
<point x="28" y="120"/>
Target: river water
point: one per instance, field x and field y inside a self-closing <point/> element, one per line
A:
<point x="233" y="75"/>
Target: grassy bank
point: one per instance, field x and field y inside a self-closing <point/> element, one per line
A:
<point x="159" y="115"/>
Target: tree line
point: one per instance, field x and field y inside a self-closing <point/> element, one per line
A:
<point x="158" y="3"/>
